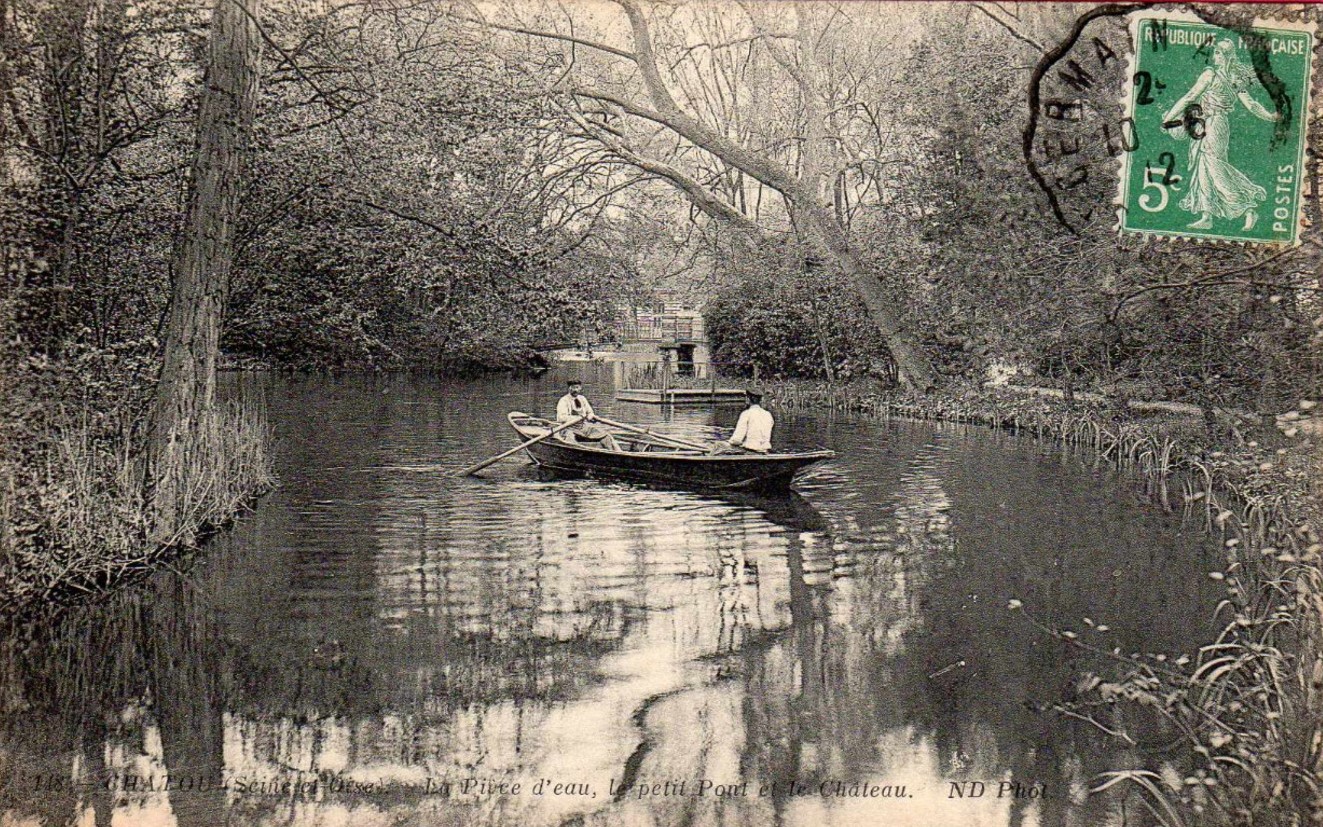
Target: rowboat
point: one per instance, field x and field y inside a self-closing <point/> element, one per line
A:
<point x="652" y="458"/>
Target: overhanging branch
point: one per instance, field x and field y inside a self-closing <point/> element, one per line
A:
<point x="565" y="38"/>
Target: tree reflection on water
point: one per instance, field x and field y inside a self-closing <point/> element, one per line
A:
<point x="372" y="636"/>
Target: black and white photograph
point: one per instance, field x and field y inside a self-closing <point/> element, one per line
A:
<point x="660" y="413"/>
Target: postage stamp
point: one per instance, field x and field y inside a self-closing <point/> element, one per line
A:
<point x="1217" y="118"/>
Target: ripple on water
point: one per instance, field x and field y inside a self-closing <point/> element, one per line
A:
<point x="379" y="620"/>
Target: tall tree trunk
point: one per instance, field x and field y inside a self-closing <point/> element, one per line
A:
<point x="820" y="220"/>
<point x="813" y="149"/>
<point x="186" y="391"/>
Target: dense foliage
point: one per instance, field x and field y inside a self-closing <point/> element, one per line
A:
<point x="405" y="207"/>
<point x="413" y="216"/>
<point x="1001" y="280"/>
<point x="98" y="102"/>
<point x="787" y="315"/>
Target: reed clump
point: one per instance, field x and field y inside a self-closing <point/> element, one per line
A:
<point x="75" y="504"/>
<point x="1247" y="707"/>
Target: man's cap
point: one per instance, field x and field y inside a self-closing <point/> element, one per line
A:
<point x="756" y="394"/>
<point x="571" y="383"/>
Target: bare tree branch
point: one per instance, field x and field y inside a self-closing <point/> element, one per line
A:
<point x="1015" y="33"/>
<point x="1211" y="279"/>
<point x="565" y="38"/>
<point x="698" y="194"/>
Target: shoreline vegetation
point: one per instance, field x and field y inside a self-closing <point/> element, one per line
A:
<point x="1247" y="707"/>
<point x="76" y="518"/>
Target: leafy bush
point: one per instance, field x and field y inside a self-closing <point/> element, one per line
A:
<point x="789" y="319"/>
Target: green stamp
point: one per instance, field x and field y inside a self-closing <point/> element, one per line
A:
<point x="1216" y="120"/>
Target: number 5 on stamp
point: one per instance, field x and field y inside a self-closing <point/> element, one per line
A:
<point x="1219" y="118"/>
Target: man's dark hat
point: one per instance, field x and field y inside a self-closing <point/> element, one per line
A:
<point x="756" y="394"/>
<point x="571" y="383"/>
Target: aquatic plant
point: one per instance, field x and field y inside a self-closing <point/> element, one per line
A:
<point x="1247" y="707"/>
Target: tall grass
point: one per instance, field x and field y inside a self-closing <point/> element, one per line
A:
<point x="213" y="468"/>
<point x="1248" y="707"/>
<point x="75" y="516"/>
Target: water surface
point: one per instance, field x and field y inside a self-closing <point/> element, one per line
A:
<point x="381" y="643"/>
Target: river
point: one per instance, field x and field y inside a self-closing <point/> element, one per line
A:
<point x="382" y="643"/>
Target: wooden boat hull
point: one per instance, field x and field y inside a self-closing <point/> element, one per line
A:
<point x="687" y="469"/>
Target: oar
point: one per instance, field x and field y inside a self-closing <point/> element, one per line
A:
<point x="679" y="443"/>
<point x="473" y="469"/>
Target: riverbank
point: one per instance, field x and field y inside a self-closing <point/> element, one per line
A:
<point x="1249" y="707"/>
<point x="75" y="502"/>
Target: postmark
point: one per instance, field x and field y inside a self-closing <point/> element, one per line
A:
<point x="1217" y="119"/>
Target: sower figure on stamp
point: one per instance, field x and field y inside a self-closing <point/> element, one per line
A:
<point x="573" y="404"/>
<point x="1216" y="187"/>
<point x="753" y="431"/>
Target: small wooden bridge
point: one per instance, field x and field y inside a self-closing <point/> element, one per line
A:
<point x="664" y="382"/>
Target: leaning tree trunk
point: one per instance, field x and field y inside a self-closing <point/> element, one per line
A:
<point x="915" y="368"/>
<point x="186" y="391"/>
<point x="817" y="220"/>
<point x="807" y="194"/>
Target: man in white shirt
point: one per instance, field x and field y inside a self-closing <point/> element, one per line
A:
<point x="573" y="404"/>
<point x="754" y="430"/>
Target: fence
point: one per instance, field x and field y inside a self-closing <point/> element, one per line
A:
<point x="657" y="329"/>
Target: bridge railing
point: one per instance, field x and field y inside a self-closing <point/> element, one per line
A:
<point x="657" y="329"/>
<point x="668" y="373"/>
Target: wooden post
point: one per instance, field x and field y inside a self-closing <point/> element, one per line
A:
<point x="665" y="374"/>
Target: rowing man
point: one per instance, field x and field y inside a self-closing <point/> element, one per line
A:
<point x="575" y="404"/>
<point x="753" y="432"/>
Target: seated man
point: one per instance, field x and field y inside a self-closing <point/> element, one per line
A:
<point x="573" y="404"/>
<point x="753" y="432"/>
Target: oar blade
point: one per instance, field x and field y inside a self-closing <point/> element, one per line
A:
<point x="473" y="469"/>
